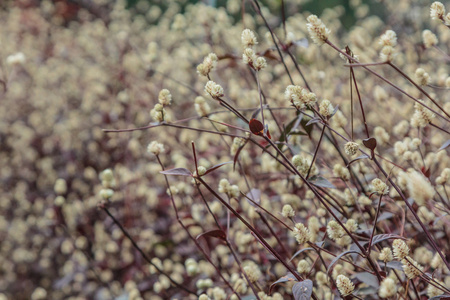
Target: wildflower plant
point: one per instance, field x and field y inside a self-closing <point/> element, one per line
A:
<point x="206" y="152"/>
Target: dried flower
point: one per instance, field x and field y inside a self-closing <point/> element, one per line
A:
<point x="317" y="30"/>
<point x="401" y="250"/>
<point x="344" y="285"/>
<point x="214" y="89"/>
<point x="351" y="148"/>
<point x="301" y="233"/>
<point x="380" y="187"/>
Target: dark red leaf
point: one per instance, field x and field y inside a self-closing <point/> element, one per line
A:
<point x="370" y="143"/>
<point x="217" y="233"/>
<point x="256" y="127"/>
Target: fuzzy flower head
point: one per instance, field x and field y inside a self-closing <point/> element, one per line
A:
<point x="299" y="96"/>
<point x="401" y="250"/>
<point x="318" y="32"/>
<point x="248" y="38"/>
<point x="155" y="148"/>
<point x="422" y="77"/>
<point x="301" y="233"/>
<point x="411" y="268"/>
<point x="334" y="230"/>
<point x="386" y="254"/>
<point x="380" y="187"/>
<point x="389" y="38"/>
<point x="429" y="38"/>
<point x="201" y="107"/>
<point x="422" y="116"/>
<point x="303" y="266"/>
<point x="158" y="113"/>
<point x="249" y="57"/>
<point x="16" y="59"/>
<point x="214" y="89"/>
<point x="437" y="11"/>
<point x="164" y="97"/>
<point x="302" y="164"/>
<point x="208" y="64"/>
<point x="326" y="108"/>
<point x="351" y="148"/>
<point x="388" y="288"/>
<point x="288" y="211"/>
<point x="418" y="186"/>
<point x="344" y="285"/>
<point x="387" y="54"/>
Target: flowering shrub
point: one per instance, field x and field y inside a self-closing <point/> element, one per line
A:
<point x="183" y="151"/>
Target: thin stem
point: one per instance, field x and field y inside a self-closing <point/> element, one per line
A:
<point x="315" y="152"/>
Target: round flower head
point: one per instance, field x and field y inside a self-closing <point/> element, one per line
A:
<point x="388" y="288"/>
<point x="411" y="268"/>
<point x="344" y="285"/>
<point x="326" y="108"/>
<point x="380" y="187"/>
<point x="164" y="97"/>
<point x="389" y="38"/>
<point x="437" y="11"/>
<point x="288" y="211"/>
<point x="248" y="38"/>
<point x="317" y="30"/>
<point x="422" y="77"/>
<point x="429" y="38"/>
<point x="301" y="233"/>
<point x="214" y="89"/>
<point x="386" y="254"/>
<point x="422" y="116"/>
<point x="351" y="148"/>
<point x="155" y="148"/>
<point x="401" y="250"/>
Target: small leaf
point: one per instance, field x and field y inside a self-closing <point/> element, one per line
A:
<point x="367" y="278"/>
<point x="307" y="128"/>
<point x="256" y="127"/>
<point x="303" y="290"/>
<point x="395" y="265"/>
<point x="337" y="258"/>
<point x="312" y="121"/>
<point x="321" y="182"/>
<point x="217" y="233"/>
<point x="255" y="195"/>
<point x="445" y="145"/>
<point x="382" y="237"/>
<point x="334" y="111"/>
<point x="300" y="251"/>
<point x="288" y="277"/>
<point x="385" y="216"/>
<point x="216" y="167"/>
<point x="177" y="172"/>
<point x="370" y="143"/>
<point x="356" y="159"/>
